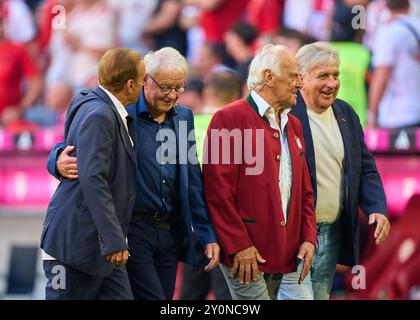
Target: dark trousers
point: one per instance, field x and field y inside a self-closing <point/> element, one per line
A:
<point x="153" y="261"/>
<point x="197" y="283"/>
<point x="66" y="283"/>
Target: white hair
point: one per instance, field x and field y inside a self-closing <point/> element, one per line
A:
<point x="266" y="58"/>
<point x="166" y="58"/>
<point x="315" y="54"/>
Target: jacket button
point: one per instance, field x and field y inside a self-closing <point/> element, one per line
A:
<point x="132" y="197"/>
<point x="101" y="241"/>
<point x="276" y="135"/>
<point x="278" y="157"/>
<point x="283" y="223"/>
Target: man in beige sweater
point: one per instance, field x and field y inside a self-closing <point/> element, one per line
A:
<point x="343" y="173"/>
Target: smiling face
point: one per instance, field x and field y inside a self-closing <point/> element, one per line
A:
<point x="320" y="86"/>
<point x="157" y="102"/>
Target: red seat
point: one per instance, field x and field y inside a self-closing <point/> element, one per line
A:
<point x="407" y="278"/>
<point x="392" y="268"/>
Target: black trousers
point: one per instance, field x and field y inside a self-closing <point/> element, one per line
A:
<point x="153" y="261"/>
<point x="197" y="283"/>
<point x="66" y="283"/>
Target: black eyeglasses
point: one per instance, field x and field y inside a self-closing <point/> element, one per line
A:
<point x="165" y="90"/>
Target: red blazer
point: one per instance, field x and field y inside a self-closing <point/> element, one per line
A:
<point x="246" y="209"/>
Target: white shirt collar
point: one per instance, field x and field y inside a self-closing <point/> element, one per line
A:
<point x="120" y="108"/>
<point x="121" y="111"/>
<point x="264" y="107"/>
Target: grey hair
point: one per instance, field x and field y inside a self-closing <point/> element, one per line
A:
<point x="166" y="58"/>
<point x="314" y="54"/>
<point x="266" y="58"/>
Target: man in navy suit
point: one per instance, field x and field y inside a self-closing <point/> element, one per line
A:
<point x="84" y="234"/>
<point x="170" y="202"/>
<point x="343" y="173"/>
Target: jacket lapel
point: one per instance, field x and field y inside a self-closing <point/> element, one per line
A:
<point x="121" y="127"/>
<point x="300" y="112"/>
<point x="343" y="124"/>
<point x="183" y="169"/>
<point x="254" y="106"/>
<point x="132" y="112"/>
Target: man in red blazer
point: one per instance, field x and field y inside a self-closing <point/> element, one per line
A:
<point x="256" y="180"/>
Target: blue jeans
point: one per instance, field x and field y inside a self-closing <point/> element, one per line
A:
<point x="317" y="285"/>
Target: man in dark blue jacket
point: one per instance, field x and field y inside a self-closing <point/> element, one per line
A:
<point x="343" y="173"/>
<point x="84" y="234"/>
<point x="170" y="201"/>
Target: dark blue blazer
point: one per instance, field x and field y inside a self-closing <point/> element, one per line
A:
<point x="362" y="181"/>
<point x="193" y="208"/>
<point x="88" y="218"/>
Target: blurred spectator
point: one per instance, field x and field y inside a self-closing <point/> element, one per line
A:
<point x="52" y="114"/>
<point x="48" y="12"/>
<point x="218" y="15"/>
<point x="319" y="24"/>
<point x="292" y="39"/>
<point x="394" y="93"/>
<point x="16" y="94"/>
<point x="59" y="50"/>
<point x="297" y="13"/>
<point x="133" y="16"/>
<point x="310" y="17"/>
<point x="210" y="57"/>
<point x="33" y="4"/>
<point x="189" y="21"/>
<point x="192" y="96"/>
<point x="342" y="27"/>
<point x="239" y="41"/>
<point x="221" y="88"/>
<point x="18" y="21"/>
<point x="265" y="15"/>
<point x="354" y="62"/>
<point x="89" y="33"/>
<point x="163" y="29"/>
<point x="415" y="8"/>
<point x="377" y="13"/>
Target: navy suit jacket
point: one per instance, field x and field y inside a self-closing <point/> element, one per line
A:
<point x="362" y="181"/>
<point x="88" y="218"/>
<point x="193" y="208"/>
